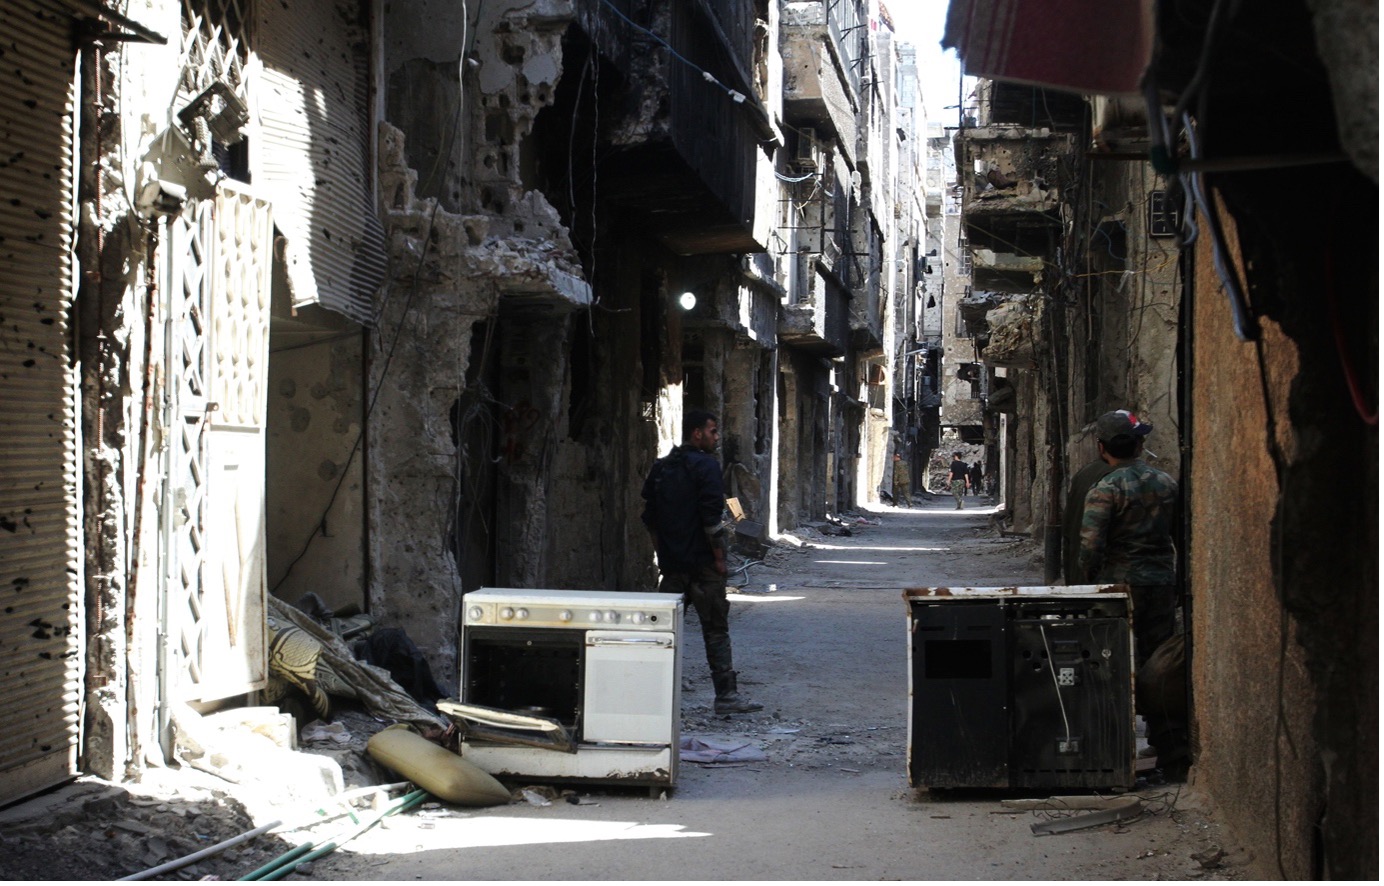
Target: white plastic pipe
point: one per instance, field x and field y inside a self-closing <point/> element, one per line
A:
<point x="203" y="853"/>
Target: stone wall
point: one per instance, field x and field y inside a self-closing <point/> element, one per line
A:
<point x="1286" y="593"/>
<point x="1251" y="693"/>
<point x="314" y="476"/>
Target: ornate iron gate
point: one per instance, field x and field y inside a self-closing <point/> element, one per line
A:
<point x="218" y="283"/>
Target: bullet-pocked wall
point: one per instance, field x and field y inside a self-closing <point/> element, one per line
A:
<point x="314" y="475"/>
<point x="472" y="352"/>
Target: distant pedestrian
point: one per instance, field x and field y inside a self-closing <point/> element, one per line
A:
<point x="903" y="482"/>
<point x="684" y="501"/>
<point x="958" y="473"/>
<point x="977" y="478"/>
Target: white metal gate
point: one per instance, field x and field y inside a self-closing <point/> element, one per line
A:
<point x="218" y="283"/>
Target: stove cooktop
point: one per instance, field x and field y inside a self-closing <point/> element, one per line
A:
<point x="528" y="607"/>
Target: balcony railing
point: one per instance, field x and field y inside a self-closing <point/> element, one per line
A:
<point x="849" y="31"/>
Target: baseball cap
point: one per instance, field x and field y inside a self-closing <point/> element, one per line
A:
<point x="1121" y="421"/>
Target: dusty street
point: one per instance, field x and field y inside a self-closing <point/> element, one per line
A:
<point x="819" y="634"/>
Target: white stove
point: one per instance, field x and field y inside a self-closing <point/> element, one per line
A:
<point x="571" y="685"/>
<point x="571" y="609"/>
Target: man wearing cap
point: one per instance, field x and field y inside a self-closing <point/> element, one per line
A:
<point x="1127" y="538"/>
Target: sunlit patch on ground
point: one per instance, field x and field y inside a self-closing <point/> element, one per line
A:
<point x="481" y="832"/>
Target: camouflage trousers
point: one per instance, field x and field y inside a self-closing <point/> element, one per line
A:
<point x="958" y="488"/>
<point x="705" y="590"/>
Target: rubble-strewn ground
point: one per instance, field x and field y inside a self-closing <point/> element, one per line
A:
<point x="819" y="633"/>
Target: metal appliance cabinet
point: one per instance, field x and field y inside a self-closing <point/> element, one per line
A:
<point x="1020" y="687"/>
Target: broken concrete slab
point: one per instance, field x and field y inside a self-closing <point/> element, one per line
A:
<point x="245" y="757"/>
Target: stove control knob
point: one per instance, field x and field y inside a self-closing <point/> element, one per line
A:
<point x="521" y="613"/>
<point x="565" y="615"/>
<point x="595" y="616"/>
<point x="475" y="613"/>
<point x="637" y="618"/>
<point x="612" y="616"/>
<point x="506" y="613"/>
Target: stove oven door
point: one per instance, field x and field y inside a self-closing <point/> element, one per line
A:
<point x="631" y="688"/>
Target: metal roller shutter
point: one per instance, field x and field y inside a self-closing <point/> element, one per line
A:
<point x="314" y="100"/>
<point x="40" y="590"/>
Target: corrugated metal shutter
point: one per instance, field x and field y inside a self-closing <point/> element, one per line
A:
<point x="40" y="591"/>
<point x="314" y="101"/>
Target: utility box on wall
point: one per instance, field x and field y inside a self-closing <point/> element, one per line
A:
<point x="1020" y="687"/>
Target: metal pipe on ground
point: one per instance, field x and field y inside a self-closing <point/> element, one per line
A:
<point x="203" y="853"/>
<point x="288" y="862"/>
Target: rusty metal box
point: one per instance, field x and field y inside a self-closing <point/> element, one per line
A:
<point x="1020" y="688"/>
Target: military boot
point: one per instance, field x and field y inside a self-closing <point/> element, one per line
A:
<point x="728" y="698"/>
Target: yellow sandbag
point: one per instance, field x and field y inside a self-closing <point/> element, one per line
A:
<point x="434" y="768"/>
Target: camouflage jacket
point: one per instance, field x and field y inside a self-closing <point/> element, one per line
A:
<point x="1127" y="527"/>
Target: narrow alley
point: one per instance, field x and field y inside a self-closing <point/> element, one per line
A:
<point x="348" y="347"/>
<point x="821" y="639"/>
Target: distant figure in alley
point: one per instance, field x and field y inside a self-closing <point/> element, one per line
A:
<point x="957" y="475"/>
<point x="903" y="496"/>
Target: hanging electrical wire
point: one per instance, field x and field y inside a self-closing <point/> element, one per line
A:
<point x="320" y="527"/>
<point x="1245" y="323"/>
<point x="735" y="96"/>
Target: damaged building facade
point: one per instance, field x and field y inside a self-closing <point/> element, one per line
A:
<point x="1145" y="248"/>
<point x="384" y="303"/>
<point x="1071" y="305"/>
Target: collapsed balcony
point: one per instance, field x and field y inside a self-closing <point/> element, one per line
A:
<point x="818" y="322"/>
<point x="1012" y="189"/>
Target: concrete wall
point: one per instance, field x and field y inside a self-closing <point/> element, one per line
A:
<point x="464" y="229"/>
<point x="314" y="477"/>
<point x="802" y="438"/>
<point x="1025" y="446"/>
<point x="1249" y="678"/>
<point x="1285" y="595"/>
<point x="1124" y="335"/>
<point x="959" y="407"/>
<point x="747" y="427"/>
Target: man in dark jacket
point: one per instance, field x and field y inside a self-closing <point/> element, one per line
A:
<point x="684" y="501"/>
